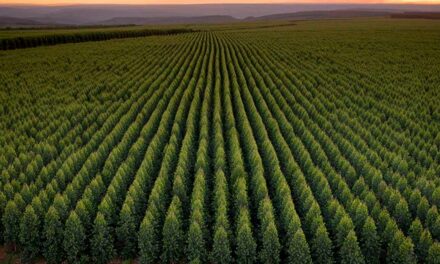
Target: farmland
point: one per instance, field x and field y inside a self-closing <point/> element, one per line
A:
<point x="316" y="142"/>
<point x="34" y="38"/>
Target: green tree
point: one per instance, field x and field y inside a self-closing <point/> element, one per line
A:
<point x="125" y="231"/>
<point x="195" y="244"/>
<point x="102" y="245"/>
<point x="172" y="234"/>
<point x="422" y="208"/>
<point x="344" y="226"/>
<point x="434" y="254"/>
<point x="74" y="239"/>
<point x="29" y="235"/>
<point x="147" y="240"/>
<point x="221" y="251"/>
<point x="402" y="215"/>
<point x="390" y="231"/>
<point x="414" y="200"/>
<point x="400" y="250"/>
<point x="415" y="230"/>
<point x="11" y="224"/>
<point x="350" y="253"/>
<point x="322" y="247"/>
<point x="423" y="245"/>
<point x="360" y="215"/>
<point x="2" y="208"/>
<point x="60" y="205"/>
<point x="246" y="246"/>
<point x="53" y="234"/>
<point x="370" y="242"/>
<point x="435" y="197"/>
<point x="270" y="252"/>
<point x="298" y="249"/>
<point x="433" y="221"/>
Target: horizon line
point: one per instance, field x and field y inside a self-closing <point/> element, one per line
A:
<point x="226" y="3"/>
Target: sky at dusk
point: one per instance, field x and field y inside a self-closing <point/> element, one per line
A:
<point x="62" y="2"/>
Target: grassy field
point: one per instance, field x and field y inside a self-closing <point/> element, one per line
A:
<point x="281" y="142"/>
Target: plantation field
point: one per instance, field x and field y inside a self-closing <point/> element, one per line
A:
<point x="14" y="33"/>
<point x="315" y="142"/>
<point x="6" y="33"/>
<point x="63" y="37"/>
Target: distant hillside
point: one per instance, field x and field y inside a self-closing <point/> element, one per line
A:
<point x="72" y="16"/>
<point x="425" y="15"/>
<point x="322" y="15"/>
<point x="168" y="20"/>
<point x="93" y="14"/>
<point x="6" y="21"/>
<point x="229" y="19"/>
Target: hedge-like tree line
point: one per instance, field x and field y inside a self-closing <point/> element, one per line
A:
<point x="62" y="38"/>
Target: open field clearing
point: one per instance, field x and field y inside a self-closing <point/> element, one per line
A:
<point x="316" y="142"/>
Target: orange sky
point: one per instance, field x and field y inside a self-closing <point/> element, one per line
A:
<point x="62" y="2"/>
